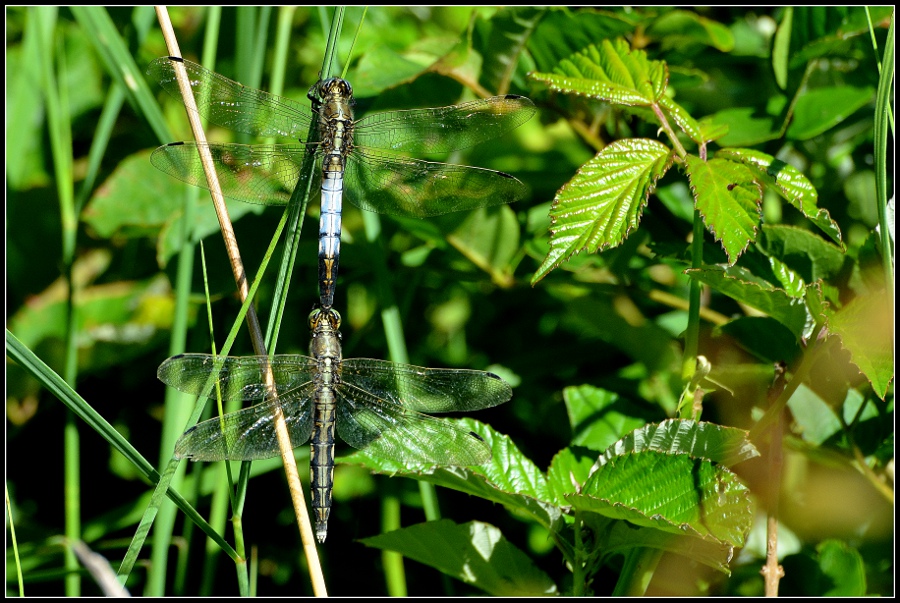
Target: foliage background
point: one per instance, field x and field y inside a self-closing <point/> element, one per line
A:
<point x="601" y="319"/>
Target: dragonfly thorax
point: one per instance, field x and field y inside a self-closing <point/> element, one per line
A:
<point x="326" y="339"/>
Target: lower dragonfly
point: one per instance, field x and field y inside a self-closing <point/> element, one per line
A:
<point x="376" y="405"/>
<point x="371" y="158"/>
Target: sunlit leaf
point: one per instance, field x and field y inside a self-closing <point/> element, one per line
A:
<point x="671" y="492"/>
<point x="611" y="72"/>
<point x="563" y="32"/>
<point x="509" y="478"/>
<point x="683" y="120"/>
<point x="790" y="184"/>
<point x="729" y="201"/>
<point x="603" y="202"/>
<point x="866" y="327"/>
<point x="723" y="445"/>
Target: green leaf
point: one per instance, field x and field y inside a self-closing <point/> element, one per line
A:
<point x="745" y="127"/>
<point x="564" y="32"/>
<point x="624" y="536"/>
<point x="764" y="337"/>
<point x="475" y="553"/>
<point x="603" y="202"/>
<point x="489" y="238"/>
<point x="815" y="419"/>
<point x="509" y="478"/>
<point x="510" y="30"/>
<point x="670" y="492"/>
<point x="821" y="109"/>
<point x="728" y="200"/>
<point x="613" y="73"/>
<point x="842" y="569"/>
<point x="736" y="283"/>
<point x="568" y="470"/>
<point x="683" y="120"/>
<point x="680" y="29"/>
<point x="381" y="68"/>
<point x="643" y="340"/>
<point x="804" y="252"/>
<point x="723" y="445"/>
<point x="866" y="327"/>
<point x="598" y="417"/>
<point x="790" y="183"/>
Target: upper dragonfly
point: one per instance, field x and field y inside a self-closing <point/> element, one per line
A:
<point x="370" y="158"/>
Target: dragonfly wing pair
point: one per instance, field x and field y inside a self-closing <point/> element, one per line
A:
<point x="379" y="407"/>
<point x="370" y="158"/>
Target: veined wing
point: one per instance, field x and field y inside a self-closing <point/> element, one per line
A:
<point x="391" y="431"/>
<point x="249" y="434"/>
<point x="232" y="105"/>
<point x="238" y="377"/>
<point x="425" y="389"/>
<point x="261" y="174"/>
<point x="402" y="186"/>
<point x="443" y="129"/>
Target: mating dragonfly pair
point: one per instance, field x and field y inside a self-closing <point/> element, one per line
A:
<point x="376" y="405"/>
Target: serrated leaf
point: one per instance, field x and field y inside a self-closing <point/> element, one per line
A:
<point x="598" y="417"/>
<point x="789" y="281"/>
<point x="728" y="200"/>
<point x="683" y="119"/>
<point x="698" y="439"/>
<point x="866" y="327"/>
<point x="603" y="202"/>
<point x="509" y="478"/>
<point x="475" y="553"/>
<point x="790" y="184"/>
<point x="613" y="73"/>
<point x="790" y="312"/>
<point x="563" y="32"/>
<point x="670" y="492"/>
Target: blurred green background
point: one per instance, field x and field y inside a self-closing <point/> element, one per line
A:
<point x="461" y="281"/>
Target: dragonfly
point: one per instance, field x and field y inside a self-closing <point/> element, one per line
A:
<point x="374" y="405"/>
<point x="372" y="158"/>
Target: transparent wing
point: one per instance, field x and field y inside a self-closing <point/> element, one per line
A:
<point x="391" y="431"/>
<point x="249" y="434"/>
<point x="261" y="174"/>
<point x="410" y="187"/>
<point x="232" y="105"/>
<point x="443" y="129"/>
<point x="421" y="389"/>
<point x="238" y="377"/>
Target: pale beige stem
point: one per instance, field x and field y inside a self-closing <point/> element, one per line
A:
<point x="287" y="452"/>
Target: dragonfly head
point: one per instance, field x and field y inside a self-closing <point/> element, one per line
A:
<point x="334" y="87"/>
<point x="322" y="318"/>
